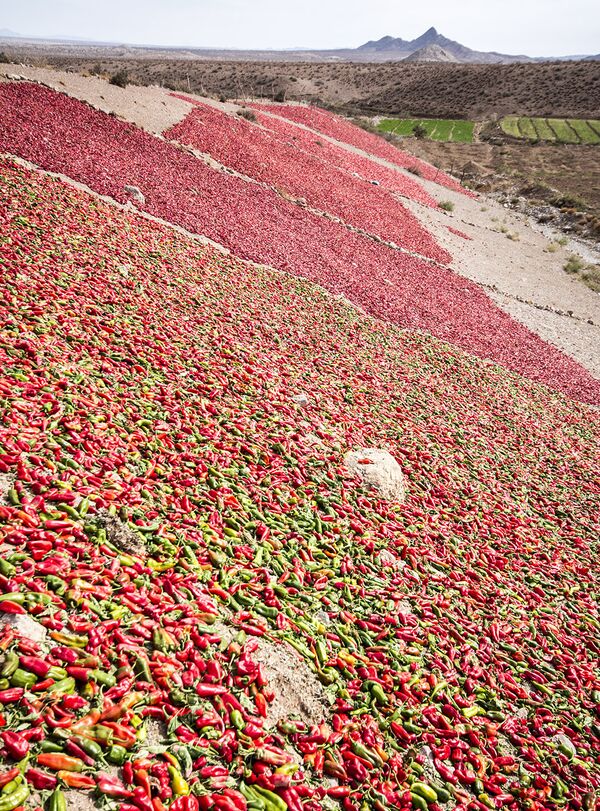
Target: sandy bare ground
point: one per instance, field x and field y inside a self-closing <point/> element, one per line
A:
<point x="506" y="255"/>
<point x="151" y="108"/>
<point x="511" y="259"/>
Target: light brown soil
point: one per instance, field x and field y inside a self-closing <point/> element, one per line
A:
<point x="6" y="482"/>
<point x="120" y="535"/>
<point x="80" y="800"/>
<point x="564" y="89"/>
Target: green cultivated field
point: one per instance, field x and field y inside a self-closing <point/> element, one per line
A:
<point x="557" y="130"/>
<point x="438" y="129"/>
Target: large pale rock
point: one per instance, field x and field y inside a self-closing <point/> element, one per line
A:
<point x="379" y="471"/>
<point x="25" y="626"/>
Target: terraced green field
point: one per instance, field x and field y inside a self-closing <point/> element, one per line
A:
<point x="437" y="129"/>
<point x="558" y="130"/>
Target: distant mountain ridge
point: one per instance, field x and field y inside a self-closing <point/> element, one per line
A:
<point x="430" y="47"/>
<point x="398" y="48"/>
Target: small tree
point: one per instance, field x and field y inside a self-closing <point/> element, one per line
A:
<point x="419" y="131"/>
<point x="120" y="78"/>
<point x="4" y="59"/>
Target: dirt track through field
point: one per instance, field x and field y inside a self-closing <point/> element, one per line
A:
<point x="505" y="254"/>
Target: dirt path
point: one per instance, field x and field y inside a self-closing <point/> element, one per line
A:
<point x="505" y="254"/>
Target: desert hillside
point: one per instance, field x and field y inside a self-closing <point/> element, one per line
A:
<point x="446" y="89"/>
<point x="298" y="468"/>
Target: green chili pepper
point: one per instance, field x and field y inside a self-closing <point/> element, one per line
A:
<point x="8" y="802"/>
<point x="106" y="679"/>
<point x="90" y="747"/>
<point x="179" y="784"/>
<point x="142" y="668"/>
<point x="57" y="801"/>
<point x="272" y="801"/>
<point x="22" y="678"/>
<point x="63" y="686"/>
<point x="116" y="754"/>
<point x="419" y="802"/>
<point x="237" y="719"/>
<point x="9" y="665"/>
<point x="378" y="694"/>
<point x="6" y="568"/>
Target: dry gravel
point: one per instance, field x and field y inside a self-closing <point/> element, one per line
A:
<point x="509" y="257"/>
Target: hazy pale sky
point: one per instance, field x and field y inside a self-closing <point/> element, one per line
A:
<point x="534" y="27"/>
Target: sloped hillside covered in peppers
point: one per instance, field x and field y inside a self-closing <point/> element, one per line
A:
<point x="64" y="135"/>
<point x="176" y="515"/>
<point x="333" y="126"/>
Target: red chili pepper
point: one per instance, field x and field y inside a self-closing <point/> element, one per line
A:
<point x="9" y="776"/>
<point x="65" y="654"/>
<point x="35" y="665"/>
<point x="57" y="718"/>
<point x="112" y="786"/>
<point x="41" y="780"/>
<point x="9" y="607"/>
<point x="207" y="690"/>
<point x="34" y="734"/>
<point x="142" y="799"/>
<point x="123" y="735"/>
<point x="15" y="744"/>
<point x="73" y="780"/>
<point x="58" y="761"/>
<point x="187" y="803"/>
<point x="76" y="750"/>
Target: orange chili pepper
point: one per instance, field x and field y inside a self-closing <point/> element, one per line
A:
<point x="89" y="720"/>
<point x="76" y="780"/>
<point x="56" y="761"/>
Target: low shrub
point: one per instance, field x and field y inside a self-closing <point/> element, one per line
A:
<point x="249" y="115"/>
<point x="574" y="264"/>
<point x="120" y="78"/>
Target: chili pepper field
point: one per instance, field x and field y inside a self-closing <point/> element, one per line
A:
<point x="256" y="222"/>
<point x="176" y="518"/>
<point x="334" y="126"/>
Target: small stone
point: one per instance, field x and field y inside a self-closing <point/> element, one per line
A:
<point x="386" y="558"/>
<point x="301" y="399"/>
<point x="566" y="743"/>
<point x="24" y="625"/>
<point x="313" y="439"/>
<point x="135" y="193"/>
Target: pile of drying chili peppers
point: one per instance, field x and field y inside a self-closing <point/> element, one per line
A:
<point x="343" y="130"/>
<point x="263" y="155"/>
<point x="255" y="223"/>
<point x="169" y="505"/>
<point x="337" y="155"/>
